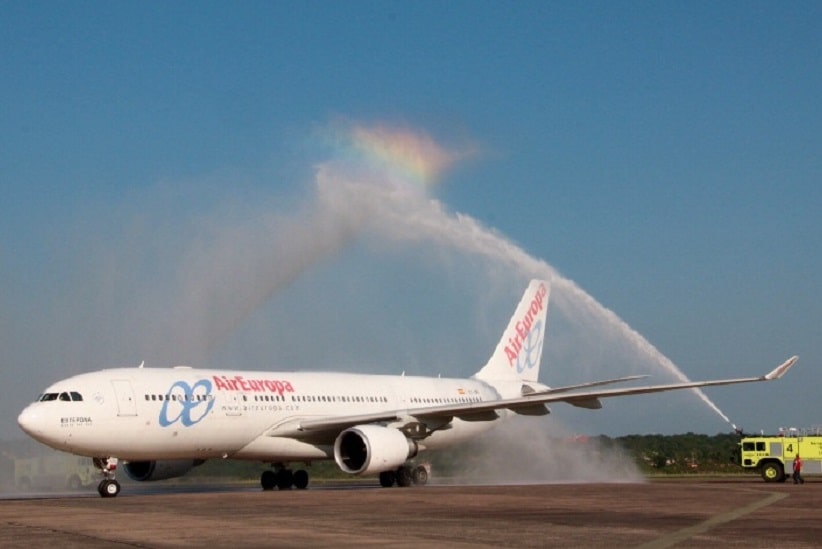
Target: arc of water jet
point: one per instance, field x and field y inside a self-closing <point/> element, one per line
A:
<point x="464" y="233"/>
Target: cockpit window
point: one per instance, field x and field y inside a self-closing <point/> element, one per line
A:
<point x="66" y="396"/>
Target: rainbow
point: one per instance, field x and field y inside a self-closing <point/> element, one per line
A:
<point x="414" y="156"/>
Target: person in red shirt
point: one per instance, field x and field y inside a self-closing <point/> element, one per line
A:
<point x="797" y="470"/>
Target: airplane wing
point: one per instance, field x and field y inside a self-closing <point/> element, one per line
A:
<point x="530" y="404"/>
<point x="566" y="388"/>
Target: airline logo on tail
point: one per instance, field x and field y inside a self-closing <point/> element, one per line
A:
<point x="523" y="349"/>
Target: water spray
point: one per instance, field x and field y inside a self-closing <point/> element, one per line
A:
<point x="401" y="211"/>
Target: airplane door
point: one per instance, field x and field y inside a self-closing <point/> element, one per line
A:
<point x="126" y="405"/>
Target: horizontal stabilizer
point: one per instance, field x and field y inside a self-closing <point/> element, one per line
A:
<point x="566" y="388"/>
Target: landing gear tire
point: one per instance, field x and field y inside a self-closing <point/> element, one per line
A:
<point x="301" y="479"/>
<point x="404" y="478"/>
<point x="420" y="476"/>
<point x="285" y="479"/>
<point x="268" y="480"/>
<point x="387" y="479"/>
<point x="108" y="488"/>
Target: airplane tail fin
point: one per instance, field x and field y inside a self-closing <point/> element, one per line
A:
<point x="519" y="352"/>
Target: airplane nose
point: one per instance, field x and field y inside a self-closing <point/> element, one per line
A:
<point x="31" y="422"/>
<point x="40" y="425"/>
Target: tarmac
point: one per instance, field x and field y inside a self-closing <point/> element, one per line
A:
<point x="667" y="513"/>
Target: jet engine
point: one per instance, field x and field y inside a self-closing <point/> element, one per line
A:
<point x="364" y="449"/>
<point x="160" y="470"/>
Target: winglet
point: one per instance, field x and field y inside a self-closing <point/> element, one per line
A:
<point x="782" y="369"/>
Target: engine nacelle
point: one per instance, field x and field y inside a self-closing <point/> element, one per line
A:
<point x="365" y="449"/>
<point x="160" y="470"/>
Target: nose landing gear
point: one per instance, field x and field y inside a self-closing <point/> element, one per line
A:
<point x="108" y="487"/>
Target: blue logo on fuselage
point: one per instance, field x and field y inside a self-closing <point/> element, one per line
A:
<point x="189" y="405"/>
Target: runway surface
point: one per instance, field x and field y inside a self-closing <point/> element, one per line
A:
<point x="741" y="512"/>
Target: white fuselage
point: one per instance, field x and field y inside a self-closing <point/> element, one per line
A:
<point x="149" y="414"/>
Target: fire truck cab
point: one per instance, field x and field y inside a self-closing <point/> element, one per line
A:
<point x="773" y="455"/>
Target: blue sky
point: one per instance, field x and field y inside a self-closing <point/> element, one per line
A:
<point x="664" y="156"/>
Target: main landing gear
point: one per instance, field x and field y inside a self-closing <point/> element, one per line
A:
<point x="108" y="487"/>
<point x="284" y="478"/>
<point x="404" y="476"/>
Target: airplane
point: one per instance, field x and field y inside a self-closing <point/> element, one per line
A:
<point x="162" y="422"/>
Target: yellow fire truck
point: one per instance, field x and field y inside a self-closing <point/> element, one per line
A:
<point x="773" y="455"/>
